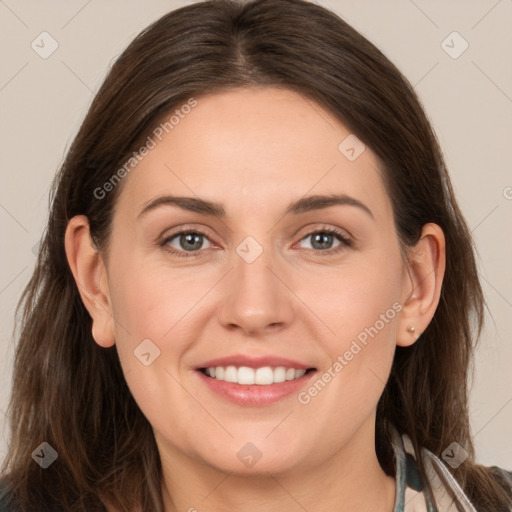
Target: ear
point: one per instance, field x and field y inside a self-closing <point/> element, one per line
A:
<point x="90" y="276"/>
<point x="422" y="284"/>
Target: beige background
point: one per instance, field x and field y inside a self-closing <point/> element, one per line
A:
<point x="468" y="99"/>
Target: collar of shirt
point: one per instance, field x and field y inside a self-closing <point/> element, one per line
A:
<point x="412" y="495"/>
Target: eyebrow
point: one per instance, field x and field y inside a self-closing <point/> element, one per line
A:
<point x="303" y="205"/>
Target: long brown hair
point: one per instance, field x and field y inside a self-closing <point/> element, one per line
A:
<point x="70" y="393"/>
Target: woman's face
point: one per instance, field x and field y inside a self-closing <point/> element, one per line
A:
<point x="263" y="287"/>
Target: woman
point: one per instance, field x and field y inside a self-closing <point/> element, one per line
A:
<point x="255" y="289"/>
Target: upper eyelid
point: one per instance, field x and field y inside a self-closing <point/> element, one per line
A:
<point x="181" y="231"/>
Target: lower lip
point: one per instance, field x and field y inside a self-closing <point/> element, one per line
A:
<point x="255" y="394"/>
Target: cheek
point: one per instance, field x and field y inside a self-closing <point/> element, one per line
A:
<point x="153" y="310"/>
<point x="352" y="299"/>
<point x="150" y="300"/>
<point x="360" y="306"/>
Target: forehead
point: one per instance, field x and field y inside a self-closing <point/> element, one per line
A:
<point x="253" y="148"/>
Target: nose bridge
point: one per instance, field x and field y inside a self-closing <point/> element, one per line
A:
<point x="256" y="298"/>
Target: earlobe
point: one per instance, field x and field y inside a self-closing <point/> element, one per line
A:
<point x="422" y="284"/>
<point x="90" y="276"/>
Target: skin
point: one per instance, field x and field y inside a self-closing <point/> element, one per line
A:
<point x="255" y="151"/>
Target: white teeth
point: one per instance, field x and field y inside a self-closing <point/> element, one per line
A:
<point x="230" y="375"/>
<point x="280" y="374"/>
<point x="247" y="376"/>
<point x="264" y="376"/>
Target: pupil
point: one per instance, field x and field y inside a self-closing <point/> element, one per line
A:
<point x="322" y="238"/>
<point x="189" y="240"/>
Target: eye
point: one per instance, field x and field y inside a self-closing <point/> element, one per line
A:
<point x="187" y="241"/>
<point x="190" y="242"/>
<point x="322" y="240"/>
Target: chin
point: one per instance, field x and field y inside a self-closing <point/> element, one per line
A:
<point x="258" y="458"/>
<point x="275" y="465"/>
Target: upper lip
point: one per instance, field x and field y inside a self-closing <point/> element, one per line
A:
<point x="254" y="362"/>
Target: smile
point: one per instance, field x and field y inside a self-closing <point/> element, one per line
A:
<point x="247" y="376"/>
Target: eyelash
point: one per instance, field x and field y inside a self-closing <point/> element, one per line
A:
<point x="345" y="242"/>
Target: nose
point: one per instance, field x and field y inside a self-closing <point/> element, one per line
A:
<point x="258" y="300"/>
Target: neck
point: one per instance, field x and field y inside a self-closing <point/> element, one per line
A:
<point x="349" y="480"/>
